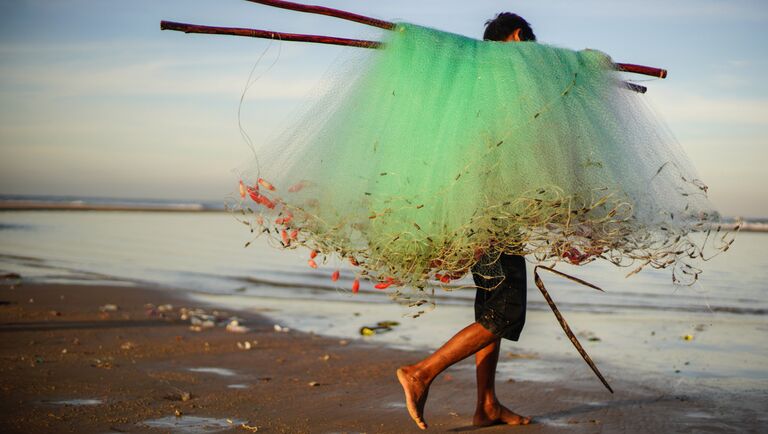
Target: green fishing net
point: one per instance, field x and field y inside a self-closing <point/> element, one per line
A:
<point x="438" y="149"/>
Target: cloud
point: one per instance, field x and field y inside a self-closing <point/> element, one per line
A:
<point x="752" y="10"/>
<point x="683" y="107"/>
<point x="155" y="78"/>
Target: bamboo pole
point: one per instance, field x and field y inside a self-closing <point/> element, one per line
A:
<point x="636" y="87"/>
<point x="319" y="39"/>
<point x="337" y="13"/>
<point x="322" y="10"/>
<point x="266" y="34"/>
<point x="640" y="69"/>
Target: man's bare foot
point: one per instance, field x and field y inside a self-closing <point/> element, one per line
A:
<point x="416" y="392"/>
<point x="497" y="414"/>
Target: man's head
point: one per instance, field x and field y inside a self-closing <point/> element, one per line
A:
<point x="507" y="27"/>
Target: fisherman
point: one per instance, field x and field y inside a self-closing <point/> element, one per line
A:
<point x="500" y="304"/>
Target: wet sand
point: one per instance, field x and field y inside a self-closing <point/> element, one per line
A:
<point x="135" y="370"/>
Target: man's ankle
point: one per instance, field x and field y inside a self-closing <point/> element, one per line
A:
<point x="417" y="373"/>
<point x="487" y="403"/>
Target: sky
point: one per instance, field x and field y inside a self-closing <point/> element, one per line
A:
<point x="96" y="101"/>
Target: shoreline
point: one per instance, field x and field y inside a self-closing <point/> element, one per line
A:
<point x="138" y="369"/>
<point x="197" y="207"/>
<point x="22" y="205"/>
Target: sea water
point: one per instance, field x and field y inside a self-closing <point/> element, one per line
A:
<point x="205" y="252"/>
<point x="637" y="324"/>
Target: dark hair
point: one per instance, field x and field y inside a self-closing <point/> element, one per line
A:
<point x="505" y="24"/>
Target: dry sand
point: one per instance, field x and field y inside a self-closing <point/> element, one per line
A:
<point x="137" y="368"/>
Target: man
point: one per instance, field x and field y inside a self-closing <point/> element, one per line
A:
<point x="500" y="304"/>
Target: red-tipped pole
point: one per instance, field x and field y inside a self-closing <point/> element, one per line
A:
<point x="640" y="69"/>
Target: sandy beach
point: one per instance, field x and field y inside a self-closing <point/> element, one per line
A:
<point x="248" y="216"/>
<point x="68" y="366"/>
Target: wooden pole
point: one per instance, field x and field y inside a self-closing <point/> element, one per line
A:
<point x="320" y="39"/>
<point x="322" y="10"/>
<point x="566" y="329"/>
<point x="636" y="87"/>
<point x="256" y="33"/>
<point x="640" y="69"/>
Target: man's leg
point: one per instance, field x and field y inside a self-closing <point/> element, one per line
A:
<point x="489" y="411"/>
<point x="416" y="379"/>
<point x="502" y="311"/>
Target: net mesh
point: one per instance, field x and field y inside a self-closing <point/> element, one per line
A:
<point x="440" y="149"/>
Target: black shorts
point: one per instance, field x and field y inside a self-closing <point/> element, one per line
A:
<point x="501" y="310"/>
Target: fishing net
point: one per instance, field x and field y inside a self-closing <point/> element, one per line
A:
<point x="440" y="149"/>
